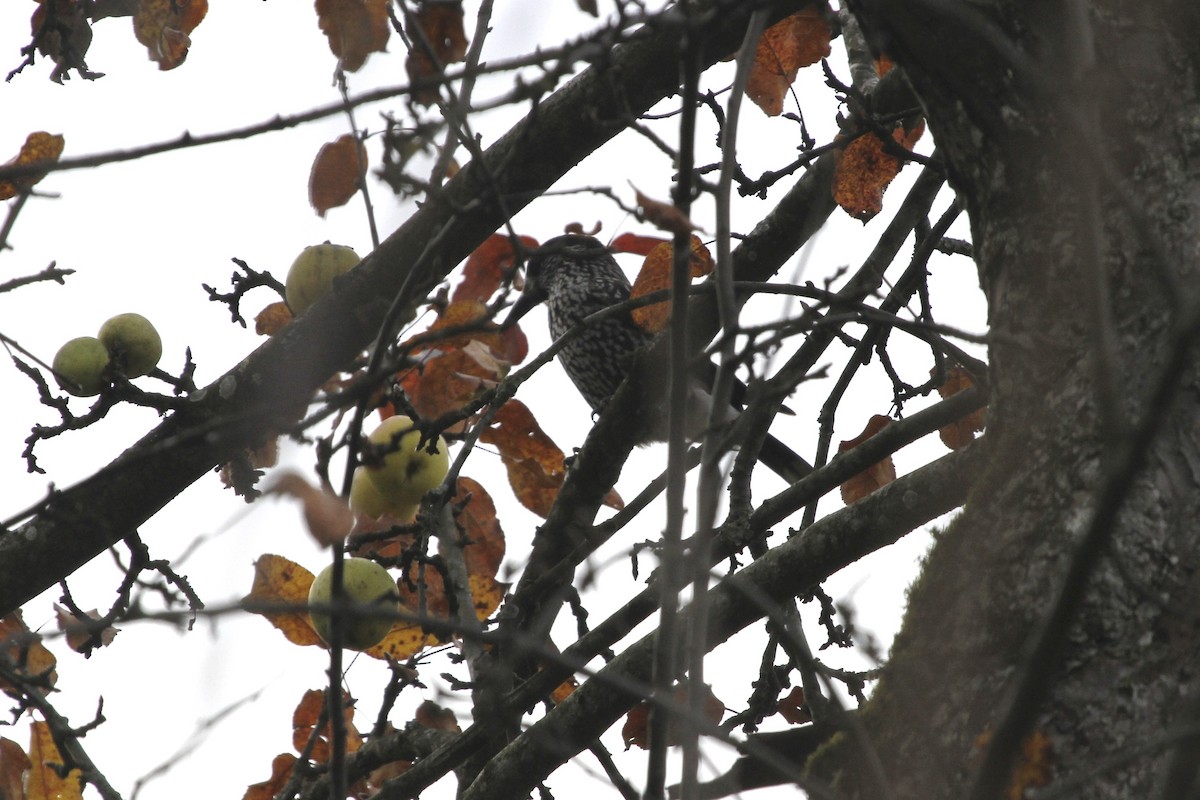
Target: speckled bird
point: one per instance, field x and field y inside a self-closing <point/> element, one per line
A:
<point x="576" y="276"/>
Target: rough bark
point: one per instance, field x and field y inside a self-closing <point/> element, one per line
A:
<point x="1071" y="132"/>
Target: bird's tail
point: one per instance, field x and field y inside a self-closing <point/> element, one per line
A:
<point x="783" y="460"/>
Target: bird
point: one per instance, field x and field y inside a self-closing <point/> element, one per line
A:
<point x="575" y="276"/>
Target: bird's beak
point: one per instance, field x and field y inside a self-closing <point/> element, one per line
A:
<point x="523" y="306"/>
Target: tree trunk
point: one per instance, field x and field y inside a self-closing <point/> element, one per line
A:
<point x="1060" y="606"/>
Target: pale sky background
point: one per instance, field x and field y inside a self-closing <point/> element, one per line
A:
<point x="144" y="235"/>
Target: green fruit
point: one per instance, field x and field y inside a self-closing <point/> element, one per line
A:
<point x="79" y="366"/>
<point x="133" y="343"/>
<point x="366" y="584"/>
<point x="313" y="271"/>
<point x="366" y="499"/>
<point x="406" y="473"/>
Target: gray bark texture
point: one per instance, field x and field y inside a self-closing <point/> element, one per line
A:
<point x="1062" y="601"/>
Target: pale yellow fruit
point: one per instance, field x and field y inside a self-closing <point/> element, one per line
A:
<point x="366" y="499"/>
<point x="79" y="366"/>
<point x="366" y="584"/>
<point x="133" y="343"/>
<point x="313" y="272"/>
<point x="406" y="473"/>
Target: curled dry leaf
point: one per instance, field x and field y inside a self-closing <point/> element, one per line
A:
<point x="793" y="709"/>
<point x="328" y="517"/>
<point x="13" y="766"/>
<point x="164" y="27"/>
<point x="24" y="650"/>
<point x="655" y="275"/>
<point x="430" y="715"/>
<point x="664" y="215"/>
<point x="354" y="28"/>
<point x="304" y="725"/>
<point x="63" y="33"/>
<point x="272" y="319"/>
<point x="436" y="32"/>
<point x="794" y="42"/>
<point x="488" y="266"/>
<point x="79" y="631"/>
<point x="281" y="772"/>
<point x="635" y="243"/>
<point x="279" y="581"/>
<point x="636" y="730"/>
<point x="961" y="432"/>
<point x="44" y="780"/>
<point x="40" y="147"/>
<point x="336" y="173"/>
<point x="865" y="169"/>
<point x="877" y="475"/>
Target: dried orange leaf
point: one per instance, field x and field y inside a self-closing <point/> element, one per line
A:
<point x="272" y="319"/>
<point x="430" y="715"/>
<point x="163" y="26"/>
<point x="655" y="275"/>
<point x="785" y="47"/>
<point x="355" y="29"/>
<point x="488" y="266"/>
<point x="436" y="31"/>
<point x="961" y="432"/>
<point x="336" y="173"/>
<point x="635" y="732"/>
<point x="278" y="580"/>
<point x="633" y="243"/>
<point x="79" y="631"/>
<point x="304" y="723"/>
<point x="446" y="383"/>
<point x="328" y="517"/>
<point x="864" y="171"/>
<point x="793" y="709"/>
<point x="24" y="650"/>
<point x="13" y="766"/>
<point x="662" y="215"/>
<point x="63" y="33"/>
<point x="44" y="782"/>
<point x="484" y="548"/>
<point x="40" y="147"/>
<point x="877" y="475"/>
<point x="281" y="771"/>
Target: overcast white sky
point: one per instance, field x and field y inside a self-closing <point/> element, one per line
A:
<point x="144" y="235"/>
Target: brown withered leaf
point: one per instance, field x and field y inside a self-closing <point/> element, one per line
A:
<point x="794" y="42"/>
<point x="304" y="723"/>
<point x="79" y="631"/>
<point x="665" y="216"/>
<point x="13" y="766"/>
<point x="485" y="545"/>
<point x="355" y="29"/>
<point x="24" y="650"/>
<point x="877" y="475"/>
<point x="328" y="517"/>
<point x="488" y="266"/>
<point x="281" y="771"/>
<point x="64" y="34"/>
<point x="272" y="319"/>
<point x="635" y="243"/>
<point x="793" y="709"/>
<point x="446" y="383"/>
<point x="436" y="27"/>
<point x="430" y="715"/>
<point x="336" y="173"/>
<point x="655" y="275"/>
<point x="636" y="729"/>
<point x="864" y="171"/>
<point x="278" y="580"/>
<point x="534" y="462"/>
<point x="40" y="147"/>
<point x="44" y="780"/>
<point x="164" y="27"/>
<point x="961" y="432"/>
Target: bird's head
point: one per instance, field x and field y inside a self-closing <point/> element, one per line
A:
<point x="570" y="251"/>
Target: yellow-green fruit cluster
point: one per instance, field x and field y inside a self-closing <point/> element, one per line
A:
<point x="366" y="584"/>
<point x="397" y="482"/>
<point x="313" y="272"/>
<point x="127" y="342"/>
